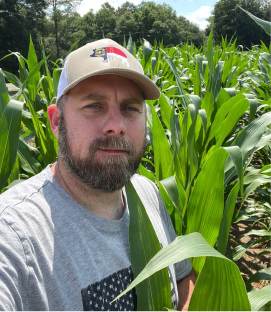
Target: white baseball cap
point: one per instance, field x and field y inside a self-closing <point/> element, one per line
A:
<point x="104" y="57"/>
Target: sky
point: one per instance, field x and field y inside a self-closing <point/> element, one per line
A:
<point x="195" y="11"/>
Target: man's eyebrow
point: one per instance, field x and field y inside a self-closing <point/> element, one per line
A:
<point x="133" y="100"/>
<point x="102" y="97"/>
<point x="94" y="96"/>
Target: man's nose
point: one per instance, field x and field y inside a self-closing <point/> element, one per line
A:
<point x="114" y="123"/>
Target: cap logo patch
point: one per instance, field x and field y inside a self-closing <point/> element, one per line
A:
<point x="108" y="52"/>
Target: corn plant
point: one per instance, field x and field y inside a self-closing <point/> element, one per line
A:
<point x="212" y="116"/>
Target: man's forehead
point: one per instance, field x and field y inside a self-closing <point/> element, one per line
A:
<point x="105" y="97"/>
<point x="103" y="86"/>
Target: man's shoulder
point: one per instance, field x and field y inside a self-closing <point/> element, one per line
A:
<point x="20" y="192"/>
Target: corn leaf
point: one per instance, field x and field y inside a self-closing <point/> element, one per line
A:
<point x="4" y="97"/>
<point x="258" y="298"/>
<point x="205" y="206"/>
<point x="10" y="125"/>
<point x="231" y="120"/>
<point x="254" y="185"/>
<point x="154" y="293"/>
<point x="147" y="173"/>
<point x="236" y="157"/>
<point x="165" y="107"/>
<point x="194" y="245"/>
<point x="227" y="293"/>
<point x="184" y="100"/>
<point x="266" y="26"/>
<point x="27" y="161"/>
<point x="222" y="113"/>
<point x="34" y="80"/>
<point x="237" y="252"/>
<point x="264" y="274"/>
<point x="225" y="226"/>
<point x="248" y="140"/>
<point x="164" y="166"/>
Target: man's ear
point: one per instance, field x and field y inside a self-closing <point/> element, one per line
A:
<point x="54" y="115"/>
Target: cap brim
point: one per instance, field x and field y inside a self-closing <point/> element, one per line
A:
<point x="149" y="89"/>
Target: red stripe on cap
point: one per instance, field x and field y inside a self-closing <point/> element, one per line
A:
<point x="115" y="51"/>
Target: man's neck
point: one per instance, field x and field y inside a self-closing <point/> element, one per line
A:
<point x="105" y="205"/>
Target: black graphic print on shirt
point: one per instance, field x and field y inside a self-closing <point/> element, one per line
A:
<point x="98" y="296"/>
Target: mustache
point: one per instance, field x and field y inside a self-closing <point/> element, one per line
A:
<point x="112" y="143"/>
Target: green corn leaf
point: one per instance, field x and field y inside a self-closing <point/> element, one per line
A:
<point x="267" y="57"/>
<point x="174" y="198"/>
<point x="203" y="116"/>
<point x="40" y="135"/>
<point x="175" y="192"/>
<point x="205" y="206"/>
<point x="56" y="77"/>
<point x="184" y="100"/>
<point x="251" y="177"/>
<point x="45" y="65"/>
<point x="253" y="109"/>
<point x="146" y="56"/>
<point x="253" y="186"/>
<point x="10" y="125"/>
<point x="264" y="274"/>
<point x="194" y="245"/>
<point x="32" y="62"/>
<point x="210" y="55"/>
<point x="231" y="120"/>
<point x="248" y="140"/>
<point x="145" y="172"/>
<point x="191" y="140"/>
<point x="165" y="107"/>
<point x="225" y="225"/>
<point x="4" y="97"/>
<point x="154" y="293"/>
<point x="227" y="293"/>
<point x="130" y="45"/>
<point x="164" y="166"/>
<point x="14" y="175"/>
<point x="23" y="73"/>
<point x="236" y="157"/>
<point x="222" y="113"/>
<point x="33" y="73"/>
<point x="175" y="139"/>
<point x="266" y="26"/>
<point x="259" y="298"/>
<point x="13" y="79"/>
<point x="197" y="78"/>
<point x="27" y="160"/>
<point x="217" y="81"/>
<point x="258" y="233"/>
<point x="239" y="251"/>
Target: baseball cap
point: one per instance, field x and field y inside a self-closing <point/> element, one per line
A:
<point x="102" y="57"/>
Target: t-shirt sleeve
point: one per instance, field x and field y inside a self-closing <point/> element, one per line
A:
<point x="13" y="270"/>
<point x="182" y="268"/>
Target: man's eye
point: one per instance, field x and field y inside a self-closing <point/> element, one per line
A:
<point x="130" y="109"/>
<point x="93" y="106"/>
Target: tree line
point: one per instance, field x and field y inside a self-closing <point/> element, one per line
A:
<point x="60" y="26"/>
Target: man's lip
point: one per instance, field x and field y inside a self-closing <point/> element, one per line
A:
<point x="113" y="151"/>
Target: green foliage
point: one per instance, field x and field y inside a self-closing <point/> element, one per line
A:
<point x="219" y="281"/>
<point x="154" y="293"/>
<point x="229" y="20"/>
<point x="212" y="120"/>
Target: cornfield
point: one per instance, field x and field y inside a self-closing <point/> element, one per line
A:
<point x="204" y="133"/>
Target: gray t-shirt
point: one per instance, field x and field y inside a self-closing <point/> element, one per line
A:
<point x="57" y="255"/>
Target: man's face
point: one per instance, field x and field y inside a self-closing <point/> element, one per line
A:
<point x="102" y="131"/>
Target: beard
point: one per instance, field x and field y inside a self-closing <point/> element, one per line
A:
<point x="109" y="173"/>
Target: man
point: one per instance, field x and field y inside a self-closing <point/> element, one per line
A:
<point x="64" y="233"/>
